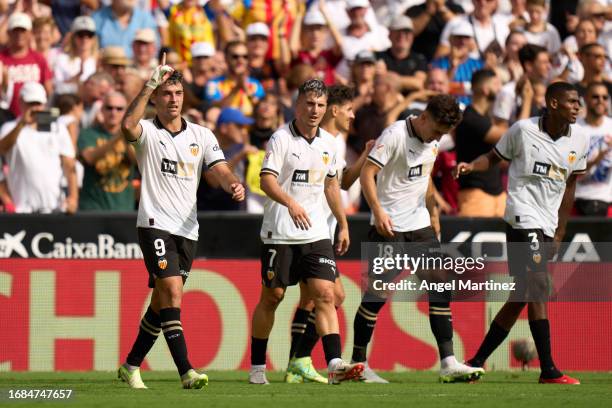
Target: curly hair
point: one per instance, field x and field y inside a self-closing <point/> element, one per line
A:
<point x="444" y="110"/>
<point x="315" y="86"/>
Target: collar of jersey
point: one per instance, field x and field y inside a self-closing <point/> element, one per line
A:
<point x="296" y="132"/>
<point x="541" y="128"/>
<point x="159" y="125"/>
<point x="411" y="131"/>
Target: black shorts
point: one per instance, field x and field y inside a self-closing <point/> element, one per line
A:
<point x="528" y="250"/>
<point x="285" y="265"/>
<point x="166" y="254"/>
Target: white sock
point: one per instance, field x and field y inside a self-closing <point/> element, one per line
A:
<point x="333" y="362"/>
<point x="448" y="362"/>
<point x="130" y="368"/>
<point x="258" y="367"/>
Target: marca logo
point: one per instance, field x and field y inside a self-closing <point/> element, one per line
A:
<point x="300" y="176"/>
<point x="541" y="168"/>
<point x="415" y="171"/>
<point x="12" y="243"/>
<point x="175" y="168"/>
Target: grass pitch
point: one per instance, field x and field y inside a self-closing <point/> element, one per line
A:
<point x="230" y="389"/>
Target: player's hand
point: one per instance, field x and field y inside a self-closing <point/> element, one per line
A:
<point x="462" y="169"/>
<point x="71" y="205"/>
<point x="159" y="76"/>
<point x="343" y="241"/>
<point x="299" y="216"/>
<point x="383" y="224"/>
<point x="237" y="192"/>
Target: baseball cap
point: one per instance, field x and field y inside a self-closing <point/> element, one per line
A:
<point x="462" y="29"/>
<point x="115" y="55"/>
<point x="258" y="29"/>
<point x="233" y="115"/>
<point x="202" y="49"/>
<point x="83" y="23"/>
<point x="33" y="92"/>
<point x="145" y="35"/>
<point x="351" y="4"/>
<point x="20" y="20"/>
<point x="364" y="56"/>
<point x="401" y="22"/>
<point x="314" y="18"/>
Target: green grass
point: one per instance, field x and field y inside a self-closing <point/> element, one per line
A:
<point x="229" y="389"/>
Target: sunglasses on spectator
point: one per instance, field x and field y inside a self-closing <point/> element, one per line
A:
<point x="239" y="56"/>
<point x="114" y="108"/>
<point x="84" y="34"/>
<point x="602" y="97"/>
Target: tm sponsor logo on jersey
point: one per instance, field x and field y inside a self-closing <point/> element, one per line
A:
<point x="177" y="169"/>
<point x="308" y="177"/>
<point x="416" y="171"/>
<point x="550" y="170"/>
<point x="44" y="245"/>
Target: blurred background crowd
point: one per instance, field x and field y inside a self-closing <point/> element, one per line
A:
<point x="69" y="69"/>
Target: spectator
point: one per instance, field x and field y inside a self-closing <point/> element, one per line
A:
<point x="71" y="109"/>
<point x="429" y="20"/>
<point x="117" y="24"/>
<point x="45" y="36"/>
<point x="537" y="70"/>
<point x="363" y="71"/>
<point x="144" y="51"/>
<point x="233" y="140"/>
<point x="109" y="161"/>
<point x="296" y="77"/>
<point x="593" y="58"/>
<point x="594" y="189"/>
<point x="568" y="65"/>
<point x="361" y="35"/>
<point x="486" y="27"/>
<point x="79" y="59"/>
<point x="236" y="89"/>
<point x="188" y="23"/>
<point x="38" y="158"/>
<point x="308" y="42"/>
<point x="458" y="63"/>
<point x="538" y="31"/>
<point x="201" y="71"/>
<point x="511" y="68"/>
<point x="266" y="71"/>
<point x="65" y="11"/>
<point x="92" y="91"/>
<point x="130" y="86"/>
<point x="21" y="64"/>
<point x="480" y="194"/>
<point x="407" y="68"/>
<point x="115" y="63"/>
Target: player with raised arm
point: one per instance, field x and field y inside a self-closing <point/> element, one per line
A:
<point x="304" y="337"/>
<point x="545" y="154"/>
<point x="396" y="182"/>
<point x="298" y="175"/>
<point x="171" y="154"/>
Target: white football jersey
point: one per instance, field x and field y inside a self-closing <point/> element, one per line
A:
<point x="171" y="167"/>
<point x="406" y="163"/>
<point x="340" y="165"/>
<point x="539" y="169"/>
<point x="597" y="183"/>
<point x="300" y="167"/>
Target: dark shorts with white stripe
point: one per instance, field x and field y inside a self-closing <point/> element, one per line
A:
<point x="165" y="254"/>
<point x="285" y="265"/>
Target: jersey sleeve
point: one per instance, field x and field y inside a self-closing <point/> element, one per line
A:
<point x="582" y="159"/>
<point x="147" y="129"/>
<point x="213" y="154"/>
<point x="383" y="149"/>
<point x="332" y="170"/>
<point x="507" y="147"/>
<point x="273" y="160"/>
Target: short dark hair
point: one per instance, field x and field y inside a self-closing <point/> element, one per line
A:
<point x="175" y="78"/>
<point x="588" y="47"/>
<point x="231" y="45"/>
<point x="529" y="53"/>
<point x="594" y="84"/>
<point x="66" y="102"/>
<point x="479" y="77"/>
<point x="340" y="94"/>
<point x="556" y="89"/>
<point x="444" y="110"/>
<point x="541" y="3"/>
<point x="314" y="85"/>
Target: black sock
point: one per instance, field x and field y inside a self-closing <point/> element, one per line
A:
<point x="258" y="351"/>
<point x="147" y="334"/>
<point x="540" y="330"/>
<point x="331" y="346"/>
<point x="363" y="326"/>
<point x="298" y="327"/>
<point x="173" y="332"/>
<point x="440" y="321"/>
<point x="309" y="339"/>
<point x="495" y="336"/>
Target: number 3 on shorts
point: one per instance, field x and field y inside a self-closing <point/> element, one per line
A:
<point x="535" y="245"/>
<point x="160" y="247"/>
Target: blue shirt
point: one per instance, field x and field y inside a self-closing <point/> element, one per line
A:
<point x="462" y="77"/>
<point x="110" y="32"/>
<point x="218" y="88"/>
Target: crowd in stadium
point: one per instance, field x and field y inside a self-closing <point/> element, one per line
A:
<point x="242" y="62"/>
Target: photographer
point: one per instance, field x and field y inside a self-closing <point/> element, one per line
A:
<point x="38" y="151"/>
